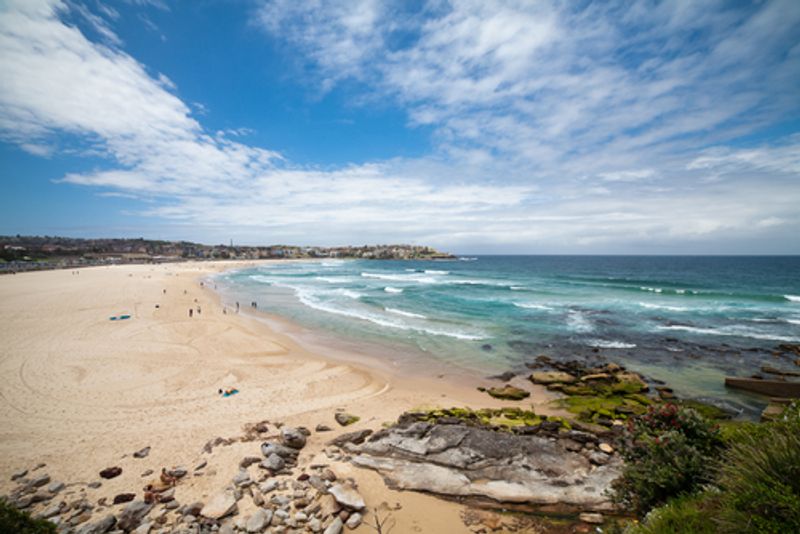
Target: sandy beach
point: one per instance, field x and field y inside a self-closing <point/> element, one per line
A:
<point x="81" y="392"/>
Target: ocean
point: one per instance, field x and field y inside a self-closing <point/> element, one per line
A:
<point x="686" y="320"/>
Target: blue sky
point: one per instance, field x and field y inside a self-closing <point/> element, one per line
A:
<point x="476" y="127"/>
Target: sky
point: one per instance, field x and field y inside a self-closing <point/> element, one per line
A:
<point x="515" y="127"/>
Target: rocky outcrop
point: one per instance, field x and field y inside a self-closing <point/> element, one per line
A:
<point x="549" y="469"/>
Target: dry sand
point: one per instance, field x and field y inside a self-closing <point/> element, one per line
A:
<point x="80" y="392"/>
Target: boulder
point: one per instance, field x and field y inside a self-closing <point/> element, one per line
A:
<point x="219" y="505"/>
<point x="293" y="438"/>
<point x="551" y="377"/>
<point x="508" y="392"/>
<point x="268" y="448"/>
<point x="356" y="437"/>
<point x="347" y="496"/>
<point x="345" y="419"/>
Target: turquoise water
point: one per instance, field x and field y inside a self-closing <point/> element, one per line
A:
<point x="684" y="320"/>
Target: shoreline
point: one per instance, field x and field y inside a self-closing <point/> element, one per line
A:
<point x="77" y="385"/>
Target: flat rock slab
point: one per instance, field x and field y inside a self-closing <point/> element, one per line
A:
<point x="534" y="471"/>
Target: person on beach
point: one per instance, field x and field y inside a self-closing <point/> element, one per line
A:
<point x="237" y="306"/>
<point x="198" y="310"/>
<point x="191" y="311"/>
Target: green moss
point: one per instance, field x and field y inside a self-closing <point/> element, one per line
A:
<point x="709" y="411"/>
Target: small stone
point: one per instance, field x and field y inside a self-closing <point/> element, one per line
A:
<point x="268" y="486"/>
<point x="194" y="509"/>
<point x="606" y="448"/>
<point x="147" y="473"/>
<point x="124" y="497"/>
<point x="201" y="465"/>
<point x="345" y="419"/>
<point x="259" y="520"/>
<point x="19" y="474"/>
<point x="320" y="428"/>
<point x="39" y="481"/>
<point x="55" y="487"/>
<point x="94" y="485"/>
<point x="131" y="516"/>
<point x="273" y="463"/>
<point x="177" y="472"/>
<point x="268" y="448"/>
<point x="329" y="475"/>
<point x="248" y="461"/>
<point x="41" y="496"/>
<point x="591" y="518"/>
<point x="142" y="453"/>
<point x="598" y="458"/>
<point x="111" y="472"/>
<point x="347" y="496"/>
<point x="52" y="510"/>
<point x="98" y="527"/>
<point x="335" y="527"/>
<point x="315" y="525"/>
<point x="144" y="528"/>
<point x="317" y="483"/>
<point x="357" y="437"/>
<point x="219" y="506"/>
<point x="242" y="479"/>
<point x="354" y="520"/>
<point x="293" y="437"/>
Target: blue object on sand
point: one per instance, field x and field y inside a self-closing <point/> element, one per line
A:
<point x="230" y="392"/>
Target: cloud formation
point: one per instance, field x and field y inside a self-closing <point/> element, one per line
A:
<point x="557" y="128"/>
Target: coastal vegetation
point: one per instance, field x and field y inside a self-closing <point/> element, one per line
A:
<point x="21" y="522"/>
<point x="744" y="480"/>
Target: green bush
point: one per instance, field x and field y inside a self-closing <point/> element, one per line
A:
<point x="681" y="515"/>
<point x="759" y="478"/>
<point x="668" y="452"/>
<point x="18" y="522"/>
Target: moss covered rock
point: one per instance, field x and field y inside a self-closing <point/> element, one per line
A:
<point x="508" y="392"/>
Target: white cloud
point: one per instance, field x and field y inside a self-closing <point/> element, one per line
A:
<point x="547" y="138"/>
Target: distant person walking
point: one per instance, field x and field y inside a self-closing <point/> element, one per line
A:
<point x="191" y="311"/>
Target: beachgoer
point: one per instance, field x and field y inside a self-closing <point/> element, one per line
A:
<point x="191" y="311"/>
<point x="198" y="310"/>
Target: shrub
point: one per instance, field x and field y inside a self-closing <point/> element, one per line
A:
<point x="13" y="520"/>
<point x="759" y="477"/>
<point x="681" y="515"/>
<point x="668" y="452"/>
